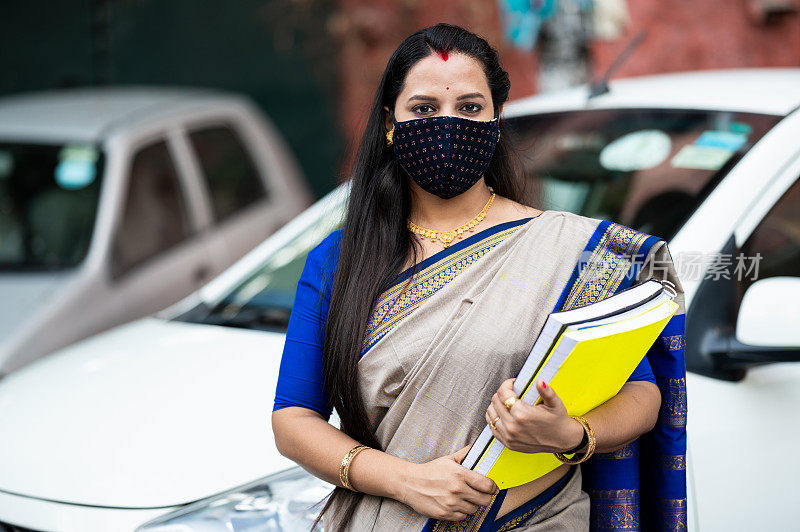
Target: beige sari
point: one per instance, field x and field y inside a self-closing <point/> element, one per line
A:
<point x="438" y="350"/>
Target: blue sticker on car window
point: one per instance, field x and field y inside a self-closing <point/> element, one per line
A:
<point x="727" y="140"/>
<point x="77" y="167"/>
<point x="740" y="127"/>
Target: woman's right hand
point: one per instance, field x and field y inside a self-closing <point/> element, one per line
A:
<point x="444" y="489"/>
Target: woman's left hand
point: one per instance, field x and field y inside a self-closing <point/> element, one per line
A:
<point x="542" y="428"/>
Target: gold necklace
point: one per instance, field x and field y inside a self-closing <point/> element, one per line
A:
<point x="446" y="237"/>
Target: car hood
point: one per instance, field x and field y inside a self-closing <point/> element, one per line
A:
<point x="154" y="413"/>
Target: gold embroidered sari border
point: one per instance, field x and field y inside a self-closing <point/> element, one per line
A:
<point x="612" y="254"/>
<point x="395" y="303"/>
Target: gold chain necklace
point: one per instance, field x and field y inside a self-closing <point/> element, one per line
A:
<point x="446" y="237"/>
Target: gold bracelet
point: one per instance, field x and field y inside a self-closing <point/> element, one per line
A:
<point x="589" y="449"/>
<point x="344" y="469"/>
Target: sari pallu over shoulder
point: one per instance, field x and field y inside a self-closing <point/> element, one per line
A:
<point x="427" y="379"/>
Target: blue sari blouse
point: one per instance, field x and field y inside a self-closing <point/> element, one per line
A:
<point x="300" y="378"/>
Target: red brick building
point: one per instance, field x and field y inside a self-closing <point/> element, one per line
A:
<point x="681" y="35"/>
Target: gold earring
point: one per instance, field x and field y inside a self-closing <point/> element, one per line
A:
<point x="389" y="137"/>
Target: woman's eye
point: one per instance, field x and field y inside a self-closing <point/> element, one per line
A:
<point x="470" y="108"/>
<point x="418" y="109"/>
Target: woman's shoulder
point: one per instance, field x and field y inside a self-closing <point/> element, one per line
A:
<point x="573" y="217"/>
<point x="589" y="225"/>
<point x="331" y="241"/>
<point x="326" y="251"/>
<point x="573" y="225"/>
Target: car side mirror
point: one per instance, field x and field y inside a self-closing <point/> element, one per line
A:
<point x="767" y="328"/>
<point x="769" y="314"/>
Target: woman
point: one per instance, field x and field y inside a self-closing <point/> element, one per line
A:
<point x="412" y="333"/>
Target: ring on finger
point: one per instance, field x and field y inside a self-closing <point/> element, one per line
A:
<point x="492" y="422"/>
<point x="510" y="402"/>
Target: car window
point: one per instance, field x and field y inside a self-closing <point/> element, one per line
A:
<point x="774" y="246"/>
<point x="229" y="171"/>
<point x="645" y="168"/>
<point x="155" y="213"/>
<point x="48" y="204"/>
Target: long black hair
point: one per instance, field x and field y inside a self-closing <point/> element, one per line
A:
<point x="375" y="242"/>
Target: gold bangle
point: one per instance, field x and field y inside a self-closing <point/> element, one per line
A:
<point x="590" y="448"/>
<point x="344" y="469"/>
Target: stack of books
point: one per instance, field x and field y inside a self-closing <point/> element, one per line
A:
<point x="586" y="355"/>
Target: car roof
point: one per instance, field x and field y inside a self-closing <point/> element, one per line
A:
<point x="774" y="91"/>
<point x="90" y="114"/>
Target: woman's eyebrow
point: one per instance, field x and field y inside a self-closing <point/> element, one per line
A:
<point x="471" y="95"/>
<point x="433" y="98"/>
<point x="423" y="97"/>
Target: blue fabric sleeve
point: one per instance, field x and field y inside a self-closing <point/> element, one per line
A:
<point x="300" y="378"/>
<point x="643" y="372"/>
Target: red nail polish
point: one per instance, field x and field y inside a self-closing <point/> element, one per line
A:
<point x="544" y="384"/>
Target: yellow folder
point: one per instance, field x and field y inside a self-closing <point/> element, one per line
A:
<point x="597" y="361"/>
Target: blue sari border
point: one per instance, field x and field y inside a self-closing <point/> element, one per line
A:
<point x="490" y="523"/>
<point x="591" y="245"/>
<point x="614" y="248"/>
<point x="529" y="508"/>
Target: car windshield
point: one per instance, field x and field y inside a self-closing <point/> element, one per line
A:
<point x="48" y="204"/>
<point x="645" y="168"/>
<point x="264" y="299"/>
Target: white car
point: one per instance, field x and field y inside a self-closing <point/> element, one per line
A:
<point x="163" y="424"/>
<point x="117" y="202"/>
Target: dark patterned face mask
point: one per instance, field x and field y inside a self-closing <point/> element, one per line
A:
<point x="445" y="155"/>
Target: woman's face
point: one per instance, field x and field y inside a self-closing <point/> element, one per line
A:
<point x="434" y="86"/>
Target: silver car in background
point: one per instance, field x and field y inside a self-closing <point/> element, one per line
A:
<point x="117" y="202"/>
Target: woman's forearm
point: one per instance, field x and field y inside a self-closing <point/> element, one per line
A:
<point x="305" y="437"/>
<point x="624" y="417"/>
